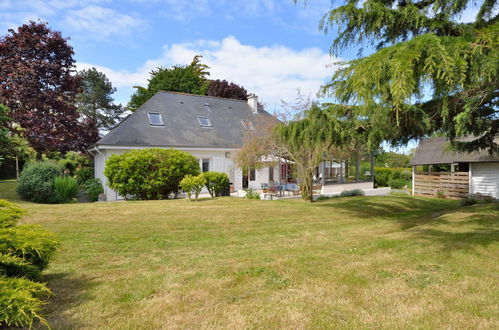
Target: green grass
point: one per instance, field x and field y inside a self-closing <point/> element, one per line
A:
<point x="356" y="262"/>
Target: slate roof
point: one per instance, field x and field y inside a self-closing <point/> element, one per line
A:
<point x="436" y="151"/>
<point x="181" y="126"/>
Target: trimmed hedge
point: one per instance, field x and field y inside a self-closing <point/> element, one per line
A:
<point x="383" y="175"/>
<point x="149" y="173"/>
<point x="36" y="182"/>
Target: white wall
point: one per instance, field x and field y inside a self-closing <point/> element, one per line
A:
<point x="485" y="179"/>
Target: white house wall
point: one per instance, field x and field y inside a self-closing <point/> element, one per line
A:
<point x="220" y="161"/>
<point x="485" y="179"/>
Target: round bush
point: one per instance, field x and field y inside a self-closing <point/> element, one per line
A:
<point x="192" y="185"/>
<point x="36" y="182"/>
<point x="216" y="182"/>
<point x="397" y="183"/>
<point x="149" y="173"/>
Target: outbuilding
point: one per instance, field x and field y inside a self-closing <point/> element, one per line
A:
<point x="440" y="171"/>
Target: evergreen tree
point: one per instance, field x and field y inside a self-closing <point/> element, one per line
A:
<point x="190" y="79"/>
<point x="429" y="73"/>
<point x="95" y="101"/>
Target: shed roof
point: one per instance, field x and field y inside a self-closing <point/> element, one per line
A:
<point x="436" y="151"/>
<point x="180" y="112"/>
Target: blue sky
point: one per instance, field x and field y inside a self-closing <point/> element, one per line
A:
<point x="271" y="47"/>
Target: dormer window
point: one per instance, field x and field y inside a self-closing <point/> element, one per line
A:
<point x="204" y="122"/>
<point x="155" y="119"/>
<point x="248" y="125"/>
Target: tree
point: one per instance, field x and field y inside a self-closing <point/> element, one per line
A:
<point x="37" y="83"/>
<point x="392" y="159"/>
<point x="190" y="79"/>
<point x="429" y="73"/>
<point x="95" y="101"/>
<point x="222" y="88"/>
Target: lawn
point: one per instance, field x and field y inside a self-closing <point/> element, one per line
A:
<point x="356" y="262"/>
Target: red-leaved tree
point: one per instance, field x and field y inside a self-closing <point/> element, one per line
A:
<point x="222" y="88"/>
<point x="38" y="84"/>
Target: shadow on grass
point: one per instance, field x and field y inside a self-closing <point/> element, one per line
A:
<point x="69" y="292"/>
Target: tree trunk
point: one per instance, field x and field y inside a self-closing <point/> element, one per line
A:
<point x="17" y="167"/>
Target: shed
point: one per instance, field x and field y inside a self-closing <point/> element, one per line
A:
<point x="467" y="173"/>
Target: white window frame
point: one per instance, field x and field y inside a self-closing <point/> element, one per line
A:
<point x="200" y="120"/>
<point x="160" y="118"/>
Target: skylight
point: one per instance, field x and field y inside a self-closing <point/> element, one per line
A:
<point x="204" y="121"/>
<point x="155" y="119"/>
<point x="248" y="125"/>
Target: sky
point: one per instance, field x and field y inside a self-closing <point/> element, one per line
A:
<point x="271" y="47"/>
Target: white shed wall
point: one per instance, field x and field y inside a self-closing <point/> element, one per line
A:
<point x="485" y="179"/>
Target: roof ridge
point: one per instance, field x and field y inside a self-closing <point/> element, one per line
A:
<point x="189" y="94"/>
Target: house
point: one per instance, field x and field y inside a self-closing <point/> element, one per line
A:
<point x="210" y="128"/>
<point x="454" y="174"/>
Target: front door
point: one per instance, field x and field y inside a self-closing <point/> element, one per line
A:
<point x="245" y="182"/>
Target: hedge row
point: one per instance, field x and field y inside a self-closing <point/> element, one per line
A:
<point x="25" y="250"/>
<point x="392" y="177"/>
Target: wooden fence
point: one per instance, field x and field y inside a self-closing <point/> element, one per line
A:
<point x="450" y="184"/>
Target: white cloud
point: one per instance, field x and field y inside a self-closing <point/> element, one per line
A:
<point x="101" y="22"/>
<point x="274" y="73"/>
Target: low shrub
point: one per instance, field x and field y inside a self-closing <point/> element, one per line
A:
<point x="68" y="166"/>
<point x="325" y="198"/>
<point x="29" y="242"/>
<point x="397" y="183"/>
<point x="14" y="266"/>
<point x="35" y="183"/>
<point x="468" y="201"/>
<point x="93" y="188"/>
<point x="193" y="185"/>
<point x="83" y="174"/>
<point x="251" y="194"/>
<point x="65" y="188"/>
<point x="149" y="173"/>
<point x="349" y="193"/>
<point x="216" y="182"/>
<point x="21" y="302"/>
<point x="382" y="175"/>
<point x="9" y="214"/>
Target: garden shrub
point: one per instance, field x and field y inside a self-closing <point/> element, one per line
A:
<point x="35" y="183"/>
<point x="355" y="192"/>
<point x="68" y="166"/>
<point x="382" y="175"/>
<point x="9" y="214"/>
<point x="325" y="198"/>
<point x="21" y="301"/>
<point x="83" y="174"/>
<point x="468" y="201"/>
<point x="14" y="266"/>
<point x="192" y="184"/>
<point x="397" y="183"/>
<point x="251" y="194"/>
<point x="216" y="182"/>
<point x="149" y="173"/>
<point x="93" y="188"/>
<point x="65" y="188"/>
<point x="30" y="242"/>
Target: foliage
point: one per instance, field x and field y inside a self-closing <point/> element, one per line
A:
<point x="149" y="173"/>
<point x="349" y="193"/>
<point x="382" y="175"/>
<point x="95" y="101"/>
<point x="20" y="301"/>
<point x="251" y="194"/>
<point x="193" y="185"/>
<point x="421" y="51"/>
<point x="65" y="188"/>
<point x="468" y="201"/>
<point x="222" y="88"/>
<point x="179" y="78"/>
<point x="440" y="194"/>
<point x="9" y="214"/>
<point x="84" y="173"/>
<point x="36" y="72"/>
<point x="397" y="183"/>
<point x="36" y="182"/>
<point x="216" y="182"/>
<point x="392" y="159"/>
<point x="14" y="266"/>
<point x="93" y="188"/>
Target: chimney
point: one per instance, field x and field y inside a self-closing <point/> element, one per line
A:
<point x="253" y="102"/>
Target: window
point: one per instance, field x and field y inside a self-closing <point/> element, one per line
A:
<point x="252" y="174"/>
<point x="204" y="164"/>
<point x="155" y="119"/>
<point x="271" y="173"/>
<point x="204" y="121"/>
<point x="248" y="125"/>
